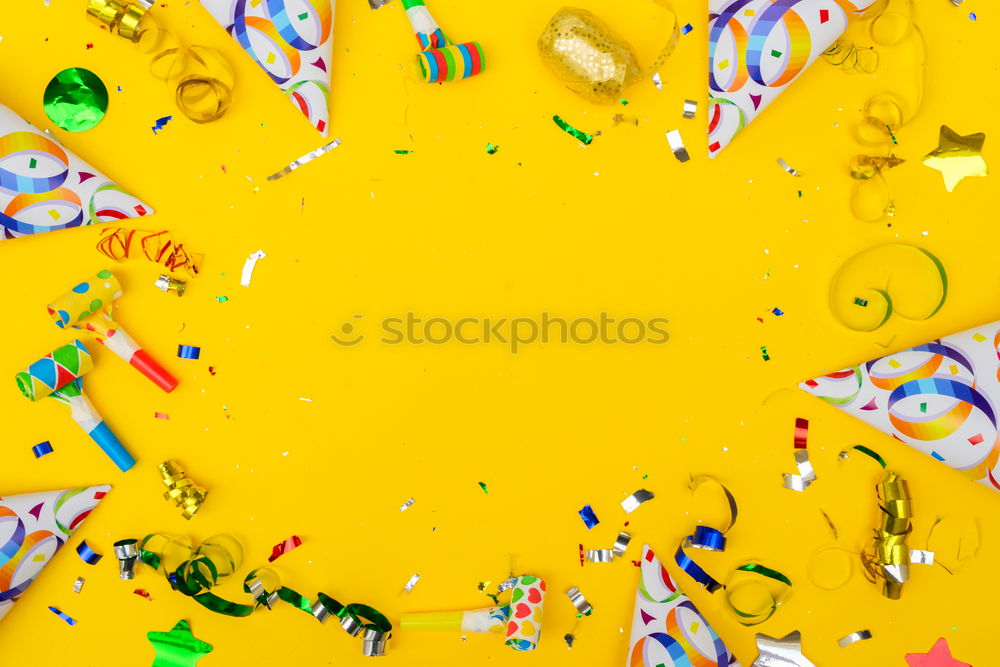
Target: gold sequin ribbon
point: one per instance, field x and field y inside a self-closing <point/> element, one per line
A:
<point x="591" y="59"/>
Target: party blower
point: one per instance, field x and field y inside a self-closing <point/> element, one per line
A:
<point x="520" y="621"/>
<point x="59" y="375"/>
<point x="87" y="307"/>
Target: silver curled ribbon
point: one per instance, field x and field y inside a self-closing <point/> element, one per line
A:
<point x="583" y="608"/>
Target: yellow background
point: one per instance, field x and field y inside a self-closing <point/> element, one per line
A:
<point x="544" y="224"/>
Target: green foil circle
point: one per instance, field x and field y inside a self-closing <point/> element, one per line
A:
<point x="76" y="99"/>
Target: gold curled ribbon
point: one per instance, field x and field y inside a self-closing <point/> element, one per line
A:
<point x="181" y="489"/>
<point x="592" y="60"/>
<point x="119" y="244"/>
<point x="884" y="113"/>
<point x="889" y="561"/>
<point x="201" y="77"/>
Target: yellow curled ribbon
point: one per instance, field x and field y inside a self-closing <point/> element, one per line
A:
<point x="890" y="561"/>
<point x="201" y="77"/>
<point x="181" y="489"/>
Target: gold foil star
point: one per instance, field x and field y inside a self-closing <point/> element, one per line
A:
<point x="957" y="157"/>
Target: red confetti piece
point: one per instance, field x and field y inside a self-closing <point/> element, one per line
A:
<point x="801" y="432"/>
<point x="145" y="594"/>
<point x="581" y="555"/>
<point x="211" y="370"/>
<point x="162" y="415"/>
<point x="637" y="563"/>
<point x="90" y="45"/>
<point x="282" y="548"/>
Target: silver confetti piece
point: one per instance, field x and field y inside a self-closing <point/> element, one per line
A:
<point x="621" y="544"/>
<point x="576" y="597"/>
<point x="405" y="506"/>
<point x="127" y="553"/>
<point x="168" y="284"/>
<point x="806" y="474"/>
<point x="858" y="636"/>
<point x="784" y="165"/>
<point x="780" y="652"/>
<point x="507" y="584"/>
<point x="640" y="496"/>
<point x="920" y="557"/>
<point x="599" y="555"/>
<point x="677" y="146"/>
<point x="957" y="3"/>
<point x="658" y="82"/>
<point x="308" y="157"/>
<point x="411" y="583"/>
<point x="78" y="584"/>
<point x="690" y="108"/>
<point x="375" y="4"/>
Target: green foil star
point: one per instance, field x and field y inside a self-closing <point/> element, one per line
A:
<point x="177" y="648"/>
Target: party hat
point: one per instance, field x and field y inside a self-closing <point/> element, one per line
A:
<point x="293" y="45"/>
<point x="44" y="187"/>
<point x="938" y="398"/>
<point x="757" y="48"/>
<point x="32" y="528"/>
<point x="667" y="629"/>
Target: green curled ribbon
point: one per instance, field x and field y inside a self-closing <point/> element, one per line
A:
<point x="777" y="590"/>
<point x="198" y="570"/>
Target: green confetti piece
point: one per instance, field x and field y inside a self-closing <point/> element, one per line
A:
<point x="303" y="16"/>
<point x="763" y="353"/>
<point x="492" y="148"/>
<point x="32" y="163"/>
<point x="76" y="99"/>
<point x="923" y="408"/>
<point x="482" y="485"/>
<point x="775" y="53"/>
<point x="858" y="301"/>
<point x="222" y="299"/>
<point x="624" y="102"/>
<point x="583" y="137"/>
<point x="402" y="152"/>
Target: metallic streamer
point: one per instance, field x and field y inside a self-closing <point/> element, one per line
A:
<point x="188" y="351"/>
<point x="891" y="559"/>
<point x="621" y="544"/>
<point x="127" y="553"/>
<point x="284" y="547"/>
<point x="181" y="489"/>
<point x="859" y="636"/>
<point x="633" y="501"/>
<point x="308" y="157"/>
<point x="677" y="146"/>
<point x="600" y="555"/>
<point x="88" y="555"/>
<point x="64" y="616"/>
<point x="806" y="474"/>
<point x="41" y="449"/>
<point x="583" y="608"/>
<point x="167" y="284"/>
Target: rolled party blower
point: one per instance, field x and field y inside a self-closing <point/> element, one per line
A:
<point x="59" y="375"/>
<point x="520" y="621"/>
<point x="87" y="307"/>
<point x="439" y="59"/>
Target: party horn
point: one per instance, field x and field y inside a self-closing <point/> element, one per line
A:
<point x="59" y="375"/>
<point x="439" y="59"/>
<point x="487" y="619"/>
<point x="87" y="307"/>
<point x="524" y="628"/>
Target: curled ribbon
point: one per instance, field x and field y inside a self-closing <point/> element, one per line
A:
<point x="890" y="561"/>
<point x="120" y="244"/>
<point x="195" y="571"/>
<point x="181" y="489"/>
<point x="706" y="538"/>
<point x="201" y="77"/>
<point x="884" y="113"/>
<point x="771" y="586"/>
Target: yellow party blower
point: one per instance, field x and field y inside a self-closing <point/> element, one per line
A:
<point x="59" y="375"/>
<point x="87" y="307"/>
<point x="487" y="619"/>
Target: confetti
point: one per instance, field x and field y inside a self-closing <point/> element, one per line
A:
<point x="143" y="593"/>
<point x="583" y="608"/>
<point x="677" y="146"/>
<point x="589" y="517"/>
<point x="88" y="555"/>
<point x="920" y="557"/>
<point x="41" y="449"/>
<point x="600" y="555"/>
<point x="492" y="148"/>
<point x="778" y="312"/>
<point x="162" y="415"/>
<point x="78" y="584"/>
<point x="402" y="152"/>
<point x="784" y="165"/>
<point x="632" y="502"/>
<point x="686" y="29"/>
<point x="621" y="544"/>
<point x="583" y="137"/>
<point x="859" y="636"/>
<point x="858" y="301"/>
<point x="62" y="615"/>
<point x="248" y="266"/>
<point x="411" y="583"/>
<point x="282" y="548"/>
<point x="161" y="123"/>
<point x="690" y="108"/>
<point x="308" y="157"/>
<point x="167" y="283"/>
<point x="188" y="352"/>
<point x="763" y="353"/>
<point x="482" y="485"/>
<point x="806" y="474"/>
<point x="657" y="81"/>
<point x="222" y="299"/>
<point x="407" y="505"/>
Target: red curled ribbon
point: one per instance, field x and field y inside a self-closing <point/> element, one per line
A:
<point x="120" y="244"/>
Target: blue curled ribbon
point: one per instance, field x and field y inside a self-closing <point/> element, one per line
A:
<point x="707" y="538"/>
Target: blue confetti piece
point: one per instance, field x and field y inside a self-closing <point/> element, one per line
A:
<point x="937" y="456"/>
<point x="188" y="351"/>
<point x="972" y="16"/>
<point x="161" y="122"/>
<point x="686" y="29"/>
<point x="41" y="449"/>
<point x="89" y="556"/>
<point x="64" y="616"/>
<point x="778" y="312"/>
<point x="588" y="516"/>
